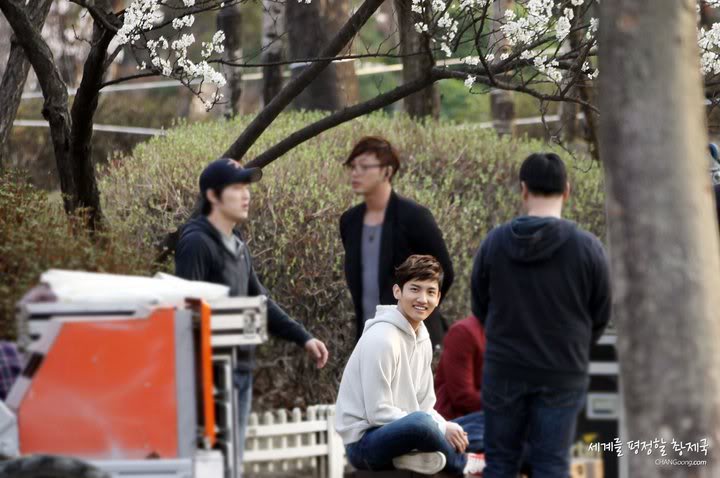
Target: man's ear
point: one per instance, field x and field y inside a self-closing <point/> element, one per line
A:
<point x="524" y="192"/>
<point x="397" y="292"/>
<point x="566" y="194"/>
<point x="212" y="196"/>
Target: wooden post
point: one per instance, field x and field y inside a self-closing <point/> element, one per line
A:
<point x="336" y="449"/>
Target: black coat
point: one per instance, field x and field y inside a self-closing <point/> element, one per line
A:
<point x="408" y="228"/>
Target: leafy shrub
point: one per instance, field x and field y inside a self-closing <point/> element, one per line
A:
<point x="36" y="235"/>
<point x="466" y="176"/>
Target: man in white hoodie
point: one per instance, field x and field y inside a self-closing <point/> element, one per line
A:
<point x="385" y="407"/>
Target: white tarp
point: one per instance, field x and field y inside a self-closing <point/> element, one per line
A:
<point x="93" y="287"/>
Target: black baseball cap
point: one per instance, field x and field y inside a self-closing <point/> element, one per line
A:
<point x="225" y="171"/>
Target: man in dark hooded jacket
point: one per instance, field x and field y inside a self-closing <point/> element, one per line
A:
<point x="211" y="249"/>
<point x="540" y="286"/>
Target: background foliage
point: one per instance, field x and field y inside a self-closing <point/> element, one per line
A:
<point x="466" y="176"/>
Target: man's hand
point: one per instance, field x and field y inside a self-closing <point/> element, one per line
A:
<point x="317" y="351"/>
<point x="456" y="436"/>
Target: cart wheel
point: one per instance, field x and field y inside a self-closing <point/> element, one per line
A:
<point x="47" y="466"/>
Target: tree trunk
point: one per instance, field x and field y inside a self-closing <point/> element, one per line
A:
<point x="55" y="94"/>
<point x="83" y="112"/>
<point x="15" y="75"/>
<point x="336" y="14"/>
<point x="568" y="119"/>
<point x="708" y="15"/>
<point x="502" y="104"/>
<point x="272" y="44"/>
<point x="306" y="37"/>
<point x="585" y="90"/>
<point x="663" y="233"/>
<point x="229" y="20"/>
<point x="426" y="102"/>
<point x="71" y="142"/>
<point x="5" y="32"/>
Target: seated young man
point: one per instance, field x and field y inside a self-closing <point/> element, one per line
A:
<point x="384" y="411"/>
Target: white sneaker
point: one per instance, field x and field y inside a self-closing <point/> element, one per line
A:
<point x="426" y="463"/>
<point x="475" y="465"/>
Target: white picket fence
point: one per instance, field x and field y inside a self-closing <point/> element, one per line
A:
<point x="286" y="441"/>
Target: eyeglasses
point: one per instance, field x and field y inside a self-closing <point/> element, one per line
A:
<point x="361" y="168"/>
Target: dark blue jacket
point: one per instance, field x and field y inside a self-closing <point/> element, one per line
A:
<point x="201" y="255"/>
<point x="541" y="288"/>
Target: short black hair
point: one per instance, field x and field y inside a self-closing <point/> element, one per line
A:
<point x="544" y="174"/>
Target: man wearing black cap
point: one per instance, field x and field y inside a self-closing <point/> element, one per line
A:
<point x="212" y="250"/>
<point x="540" y="285"/>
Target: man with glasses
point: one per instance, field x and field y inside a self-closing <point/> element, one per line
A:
<point x="384" y="230"/>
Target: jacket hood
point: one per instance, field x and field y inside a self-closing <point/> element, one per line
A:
<point x="532" y="238"/>
<point x="391" y="315"/>
<point x="201" y="224"/>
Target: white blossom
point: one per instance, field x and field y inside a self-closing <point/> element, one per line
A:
<point x="592" y="29"/>
<point x="183" y="22"/>
<point x="446" y="49"/>
<point x="139" y="16"/>
<point x="562" y="28"/>
<point x="470" y="81"/>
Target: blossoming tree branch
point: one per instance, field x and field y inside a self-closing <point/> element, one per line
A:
<point x="543" y="48"/>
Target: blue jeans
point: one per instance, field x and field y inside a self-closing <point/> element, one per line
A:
<point x="243" y="381"/>
<point x="416" y="431"/>
<point x="474" y="425"/>
<point x="545" y="417"/>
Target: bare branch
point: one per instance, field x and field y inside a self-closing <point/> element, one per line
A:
<point x="109" y="21"/>
<point x="340" y="117"/>
<point x="243" y="143"/>
<point x="55" y="107"/>
<point x="461" y="75"/>
<point x="15" y="74"/>
<point x="315" y="60"/>
<point x="128" y="78"/>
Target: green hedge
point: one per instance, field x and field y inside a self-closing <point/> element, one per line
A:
<point x="36" y="235"/>
<point x="467" y="177"/>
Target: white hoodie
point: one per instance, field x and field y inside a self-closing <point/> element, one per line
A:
<point x="388" y="376"/>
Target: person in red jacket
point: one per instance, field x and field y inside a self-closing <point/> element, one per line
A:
<point x="458" y="379"/>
